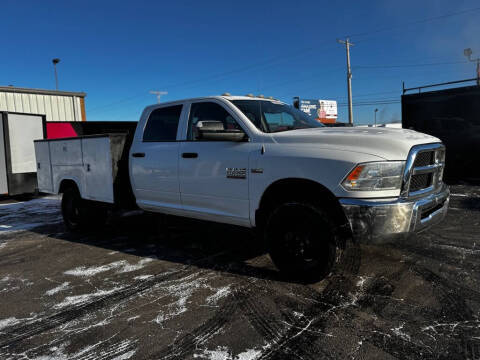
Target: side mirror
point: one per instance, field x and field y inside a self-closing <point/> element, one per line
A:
<point x="214" y="131"/>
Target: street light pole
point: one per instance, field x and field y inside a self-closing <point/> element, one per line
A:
<point x="347" y="44"/>
<point x="55" y="62"/>
<point x="375" y="112"/>
<point x="159" y="94"/>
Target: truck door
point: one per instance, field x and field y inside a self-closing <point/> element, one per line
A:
<point x="214" y="174"/>
<point x="154" y="161"/>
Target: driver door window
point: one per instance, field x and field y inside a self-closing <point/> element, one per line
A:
<point x="208" y="111"/>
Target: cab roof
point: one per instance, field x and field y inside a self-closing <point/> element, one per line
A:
<point x="218" y="97"/>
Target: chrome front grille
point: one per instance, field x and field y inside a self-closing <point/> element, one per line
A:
<point x="425" y="158"/>
<point x="423" y="170"/>
<point x="420" y="181"/>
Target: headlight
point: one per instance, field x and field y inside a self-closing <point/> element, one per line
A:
<point x="375" y="176"/>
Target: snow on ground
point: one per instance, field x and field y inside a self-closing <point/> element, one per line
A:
<point x="220" y="294"/>
<point x="81" y="299"/>
<point x="122" y="266"/>
<point x="57" y="289"/>
<point x="222" y="353"/>
<point x="30" y="214"/>
<point x="8" y="322"/>
<point x="4" y="323"/>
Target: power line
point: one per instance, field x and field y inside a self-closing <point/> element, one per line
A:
<point x="372" y="103"/>
<point x="267" y="62"/>
<point x="408" y="65"/>
<point x="375" y="93"/>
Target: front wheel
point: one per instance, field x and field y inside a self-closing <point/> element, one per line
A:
<point x="301" y="240"/>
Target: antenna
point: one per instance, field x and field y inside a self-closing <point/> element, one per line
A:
<point x="158" y="94"/>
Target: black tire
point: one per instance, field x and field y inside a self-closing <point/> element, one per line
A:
<point x="81" y="215"/>
<point x="73" y="210"/>
<point x="301" y="240"/>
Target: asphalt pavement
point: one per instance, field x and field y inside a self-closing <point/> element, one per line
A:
<point x="149" y="288"/>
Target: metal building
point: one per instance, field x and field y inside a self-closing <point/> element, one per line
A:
<point x="55" y="105"/>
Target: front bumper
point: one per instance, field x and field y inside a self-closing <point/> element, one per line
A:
<point x="377" y="220"/>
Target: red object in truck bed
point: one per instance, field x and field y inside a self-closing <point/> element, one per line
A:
<point x="56" y="130"/>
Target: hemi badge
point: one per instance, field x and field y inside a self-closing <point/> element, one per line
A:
<point x="257" y="171"/>
<point x="236" y="173"/>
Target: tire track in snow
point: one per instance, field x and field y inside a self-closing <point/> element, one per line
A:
<point x="15" y="334"/>
<point x="188" y="343"/>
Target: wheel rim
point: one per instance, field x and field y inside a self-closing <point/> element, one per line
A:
<point x="305" y="244"/>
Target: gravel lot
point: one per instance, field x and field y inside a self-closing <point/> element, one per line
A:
<point x="189" y="290"/>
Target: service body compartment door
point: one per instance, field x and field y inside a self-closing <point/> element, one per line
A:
<point x="66" y="152"/>
<point x="44" y="168"/>
<point x="97" y="163"/>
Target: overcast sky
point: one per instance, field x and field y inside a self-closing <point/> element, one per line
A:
<point x="116" y="51"/>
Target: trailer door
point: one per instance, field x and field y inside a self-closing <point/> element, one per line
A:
<point x="20" y="130"/>
<point x="3" y="161"/>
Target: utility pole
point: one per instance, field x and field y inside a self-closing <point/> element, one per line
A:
<point x="159" y="94"/>
<point x="55" y="62"/>
<point x="347" y="44"/>
<point x="468" y="53"/>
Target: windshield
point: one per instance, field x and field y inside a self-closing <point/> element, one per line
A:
<point x="272" y="117"/>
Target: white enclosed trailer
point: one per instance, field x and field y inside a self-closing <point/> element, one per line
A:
<point x="17" y="153"/>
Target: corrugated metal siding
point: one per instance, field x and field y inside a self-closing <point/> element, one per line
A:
<point x="55" y="107"/>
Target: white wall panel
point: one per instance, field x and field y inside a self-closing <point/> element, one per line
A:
<point x="68" y="107"/>
<point x="55" y="107"/>
<point x="40" y="104"/>
<point x="33" y="103"/>
<point x="17" y="102"/>
<point x="25" y="103"/>
<point x="48" y="107"/>
<point x="78" y="109"/>
<point x="3" y="101"/>
<point x="10" y="102"/>
<point x="54" y="104"/>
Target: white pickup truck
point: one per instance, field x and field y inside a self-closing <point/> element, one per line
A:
<point x="257" y="163"/>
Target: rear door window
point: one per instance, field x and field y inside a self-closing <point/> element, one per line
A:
<point x="162" y="124"/>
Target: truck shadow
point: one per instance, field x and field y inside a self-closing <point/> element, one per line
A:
<point x="233" y="250"/>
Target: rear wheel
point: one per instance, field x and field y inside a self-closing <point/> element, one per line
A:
<point x="301" y="240"/>
<point x="80" y="215"/>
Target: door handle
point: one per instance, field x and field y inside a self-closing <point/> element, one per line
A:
<point x="138" y="154"/>
<point x="189" y="155"/>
